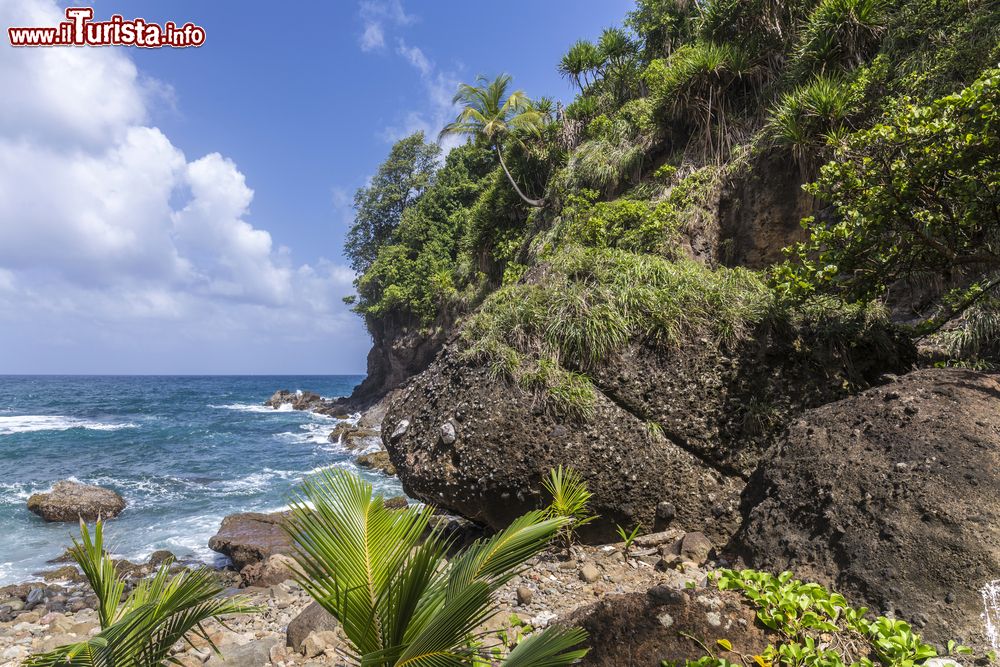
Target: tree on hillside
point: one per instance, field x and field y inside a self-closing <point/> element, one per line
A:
<point x="915" y="197"/>
<point x="580" y="64"/>
<point x="489" y="115"/>
<point x="399" y="183"/>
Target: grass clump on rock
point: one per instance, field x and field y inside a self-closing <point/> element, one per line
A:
<point x="588" y="304"/>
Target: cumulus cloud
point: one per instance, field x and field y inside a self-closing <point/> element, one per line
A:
<point x="376" y="15"/>
<point x="106" y="224"/>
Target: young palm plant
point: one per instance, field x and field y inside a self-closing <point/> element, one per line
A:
<point x="140" y="630"/>
<point x="398" y="598"/>
<point x="570" y="498"/>
<point x="489" y="114"/>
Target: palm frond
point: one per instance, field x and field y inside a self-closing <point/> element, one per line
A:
<point x="552" y="647"/>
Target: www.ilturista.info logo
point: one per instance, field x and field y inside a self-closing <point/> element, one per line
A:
<point x="80" y="30"/>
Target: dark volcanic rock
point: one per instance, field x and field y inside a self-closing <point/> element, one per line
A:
<point x="251" y="537"/>
<point x="72" y="501"/>
<point x="640" y="630"/>
<point x="893" y="497"/>
<point x="299" y="400"/>
<point x="479" y="447"/>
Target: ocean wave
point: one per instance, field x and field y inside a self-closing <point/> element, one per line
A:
<point x="33" y="423"/>
<point x="254" y="407"/>
<point x="254" y="483"/>
<point x="312" y="433"/>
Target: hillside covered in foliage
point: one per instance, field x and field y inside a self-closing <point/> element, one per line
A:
<point x="724" y="163"/>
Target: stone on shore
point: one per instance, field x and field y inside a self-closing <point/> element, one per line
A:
<point x="251" y="537"/>
<point x="312" y="619"/>
<point x="72" y="501"/>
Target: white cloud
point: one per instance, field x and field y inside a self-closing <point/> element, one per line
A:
<point x="376" y="15"/>
<point x="373" y="37"/>
<point x="416" y="58"/>
<point x="106" y="227"/>
<point x="439" y="86"/>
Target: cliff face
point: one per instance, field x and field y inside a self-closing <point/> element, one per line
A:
<point x="399" y="352"/>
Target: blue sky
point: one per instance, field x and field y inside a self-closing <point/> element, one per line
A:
<point x="183" y="211"/>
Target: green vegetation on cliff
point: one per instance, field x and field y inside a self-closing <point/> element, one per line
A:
<point x="604" y="222"/>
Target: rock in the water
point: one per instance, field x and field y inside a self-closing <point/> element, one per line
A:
<point x="159" y="557"/>
<point x="377" y="461"/>
<point x="354" y="437"/>
<point x="396" y="503"/>
<point x="72" y="501"/>
<point x="835" y="505"/>
<point x="312" y="619"/>
<point x="643" y="629"/>
<point x="251" y="537"/>
<point x="299" y="400"/>
<point x="715" y="414"/>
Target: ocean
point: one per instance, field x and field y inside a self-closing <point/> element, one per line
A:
<point x="183" y="451"/>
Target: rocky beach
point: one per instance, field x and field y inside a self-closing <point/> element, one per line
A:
<point x="641" y="600"/>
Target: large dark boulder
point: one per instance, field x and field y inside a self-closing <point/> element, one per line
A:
<point x="251" y="537"/>
<point x="680" y="428"/>
<point x="893" y="497"/>
<point x="72" y="501"/>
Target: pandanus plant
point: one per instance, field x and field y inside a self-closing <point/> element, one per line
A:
<point x="141" y="629"/>
<point x="385" y="576"/>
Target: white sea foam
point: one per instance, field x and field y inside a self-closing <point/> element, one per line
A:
<point x="254" y="407"/>
<point x="32" y="423"/>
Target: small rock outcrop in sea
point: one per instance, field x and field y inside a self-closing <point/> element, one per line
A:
<point x="377" y="461"/>
<point x="354" y="437"/>
<point x="72" y="501"/>
<point x="299" y="400"/>
<point x="251" y="537"/>
<point x="892" y="497"/>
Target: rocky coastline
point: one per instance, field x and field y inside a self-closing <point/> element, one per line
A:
<point x="851" y="494"/>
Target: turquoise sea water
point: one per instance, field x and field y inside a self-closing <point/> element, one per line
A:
<point x="183" y="451"/>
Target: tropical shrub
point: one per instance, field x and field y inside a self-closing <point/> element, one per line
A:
<point x="386" y="577"/>
<point x="810" y="117"/>
<point x="141" y="628"/>
<point x="702" y="84"/>
<point x="917" y="194"/>
<point x="816" y="628"/>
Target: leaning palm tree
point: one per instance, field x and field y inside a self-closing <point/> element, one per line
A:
<point x="140" y="630"/>
<point x="489" y="114"/>
<point x="385" y="575"/>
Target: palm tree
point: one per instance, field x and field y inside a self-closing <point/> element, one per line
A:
<point x="159" y="612"/>
<point x="489" y="114"/>
<point x="582" y="59"/>
<point x="398" y="598"/>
